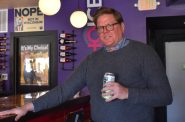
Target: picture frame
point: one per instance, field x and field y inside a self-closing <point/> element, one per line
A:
<point x="33" y="61"/>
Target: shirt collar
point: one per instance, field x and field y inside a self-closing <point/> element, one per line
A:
<point x="121" y="44"/>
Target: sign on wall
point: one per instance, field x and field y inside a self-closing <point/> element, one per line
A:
<point x="28" y="19"/>
<point x="144" y="5"/>
<point x="89" y="33"/>
<point x="3" y="20"/>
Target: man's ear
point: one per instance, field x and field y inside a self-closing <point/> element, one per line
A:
<point x="123" y="26"/>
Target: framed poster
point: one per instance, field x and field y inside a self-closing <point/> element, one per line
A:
<point x="34" y="64"/>
<point x="34" y="61"/>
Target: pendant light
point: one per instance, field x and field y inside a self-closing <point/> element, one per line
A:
<point x="49" y="7"/>
<point x="78" y="18"/>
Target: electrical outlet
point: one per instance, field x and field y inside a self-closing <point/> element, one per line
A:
<point x="4" y="76"/>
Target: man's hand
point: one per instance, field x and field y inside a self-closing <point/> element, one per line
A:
<point x="19" y="112"/>
<point x="117" y="91"/>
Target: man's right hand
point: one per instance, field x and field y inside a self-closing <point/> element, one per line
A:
<point x="19" y="112"/>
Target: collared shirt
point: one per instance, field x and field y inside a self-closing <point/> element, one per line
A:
<point x="121" y="44"/>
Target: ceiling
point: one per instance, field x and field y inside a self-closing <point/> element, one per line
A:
<point x="17" y="3"/>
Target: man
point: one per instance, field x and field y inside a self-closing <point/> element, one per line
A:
<point x="141" y="82"/>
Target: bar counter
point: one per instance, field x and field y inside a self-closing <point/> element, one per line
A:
<point x="75" y="108"/>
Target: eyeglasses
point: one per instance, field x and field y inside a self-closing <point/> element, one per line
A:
<point x="108" y="27"/>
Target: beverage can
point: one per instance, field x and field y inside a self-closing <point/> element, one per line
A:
<point x="108" y="77"/>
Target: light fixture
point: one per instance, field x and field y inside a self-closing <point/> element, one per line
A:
<point x="144" y="5"/>
<point x="78" y="18"/>
<point x="49" y="7"/>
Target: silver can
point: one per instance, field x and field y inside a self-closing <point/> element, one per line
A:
<point x="108" y="77"/>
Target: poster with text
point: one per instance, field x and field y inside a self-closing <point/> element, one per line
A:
<point x="28" y="19"/>
<point x="34" y="64"/>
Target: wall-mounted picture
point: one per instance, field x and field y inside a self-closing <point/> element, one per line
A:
<point x="34" y="63"/>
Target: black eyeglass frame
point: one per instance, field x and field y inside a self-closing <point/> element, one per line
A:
<point x="108" y="27"/>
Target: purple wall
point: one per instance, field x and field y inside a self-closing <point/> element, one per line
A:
<point x="134" y="21"/>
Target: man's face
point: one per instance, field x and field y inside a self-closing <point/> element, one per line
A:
<point x="109" y="30"/>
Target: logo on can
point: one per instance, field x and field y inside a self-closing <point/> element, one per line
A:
<point x="108" y="77"/>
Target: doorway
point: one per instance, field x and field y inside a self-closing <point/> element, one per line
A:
<point x="167" y="36"/>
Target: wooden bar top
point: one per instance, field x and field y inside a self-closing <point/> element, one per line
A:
<point x="13" y="101"/>
<point x="19" y="100"/>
